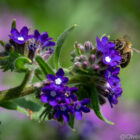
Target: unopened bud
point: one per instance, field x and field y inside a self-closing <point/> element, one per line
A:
<point x="96" y="67"/>
<point x="82" y="57"/>
<point x="92" y="58"/>
<point x="46" y="56"/>
<point x="77" y="64"/>
<point x="85" y="64"/>
<point x="73" y="54"/>
<point x="88" y="45"/>
<point x="77" y="59"/>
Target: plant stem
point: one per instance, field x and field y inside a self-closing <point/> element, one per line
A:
<point x="17" y="92"/>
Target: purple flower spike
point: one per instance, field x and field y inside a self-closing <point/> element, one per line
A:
<point x="80" y="107"/>
<point x="20" y="37"/>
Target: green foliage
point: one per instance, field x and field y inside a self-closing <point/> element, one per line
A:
<point x="45" y="67"/>
<point x="2" y="43"/>
<point x="59" y="44"/>
<point x="94" y="104"/>
<point x="71" y="121"/>
<point x="23" y="105"/>
<point x="13" y="25"/>
<point x="8" y="62"/>
<point x="20" y="62"/>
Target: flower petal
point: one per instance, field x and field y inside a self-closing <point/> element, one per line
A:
<point x="78" y="115"/>
<point x="43" y="37"/>
<point x="73" y="89"/>
<point x="85" y="109"/>
<point x="66" y="117"/>
<point x="60" y="73"/>
<point x="36" y="35"/>
<point x="53" y="102"/>
<point x="44" y="98"/>
<point x="104" y="40"/>
<point x="51" y="77"/>
<point x="57" y="114"/>
<point x="24" y="31"/>
<point x="14" y="32"/>
<point x="85" y="101"/>
<point x="48" y="44"/>
<point x="65" y="80"/>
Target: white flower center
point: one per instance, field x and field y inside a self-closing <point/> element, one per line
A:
<point x="107" y="85"/>
<point x="107" y="59"/>
<point x="53" y="93"/>
<point x="20" y="38"/>
<point x="58" y="81"/>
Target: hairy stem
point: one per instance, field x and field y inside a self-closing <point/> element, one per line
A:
<point x="19" y="90"/>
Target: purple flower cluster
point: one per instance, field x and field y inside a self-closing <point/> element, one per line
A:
<point x="62" y="98"/>
<point x="112" y="58"/>
<point x="38" y="40"/>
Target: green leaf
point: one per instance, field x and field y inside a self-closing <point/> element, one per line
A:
<point x="71" y="121"/>
<point x="59" y="44"/>
<point x="13" y="25"/>
<point x="9" y="105"/>
<point x="8" y="62"/>
<point x="94" y="104"/>
<point x="20" y="62"/>
<point x="45" y="67"/>
<point x="2" y="43"/>
<point x="23" y="105"/>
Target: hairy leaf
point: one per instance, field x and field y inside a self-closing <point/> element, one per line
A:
<point x="94" y="104"/>
<point x="20" y="62"/>
<point x="8" y="62"/>
<point x="45" y="67"/>
<point x="59" y="44"/>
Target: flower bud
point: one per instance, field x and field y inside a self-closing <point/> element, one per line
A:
<point x="73" y="53"/>
<point x="77" y="59"/>
<point x="77" y="65"/>
<point x="88" y="46"/>
<point x="85" y="64"/>
<point x="83" y="57"/>
<point x="92" y="58"/>
<point x="96" y="67"/>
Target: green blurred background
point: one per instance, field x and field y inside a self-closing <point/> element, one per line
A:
<point x="94" y="17"/>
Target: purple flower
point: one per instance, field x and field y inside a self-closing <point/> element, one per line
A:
<point x="63" y="110"/>
<point x="112" y="58"/>
<point x="70" y="94"/>
<point x="59" y="80"/>
<point x="103" y="45"/>
<point x="43" y="39"/>
<point x="112" y="100"/>
<point x="111" y="75"/>
<point x="51" y="96"/>
<point x="20" y="37"/>
<point x="114" y="92"/>
<point x="80" y="107"/>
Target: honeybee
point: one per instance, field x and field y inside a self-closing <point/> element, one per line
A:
<point x="124" y="47"/>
